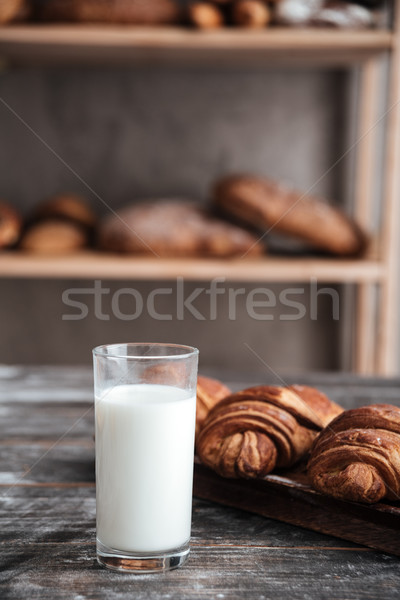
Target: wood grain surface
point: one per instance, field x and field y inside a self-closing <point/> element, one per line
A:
<point x="90" y="264"/>
<point x="288" y="497"/>
<point x="47" y="513"/>
<point x="91" y="44"/>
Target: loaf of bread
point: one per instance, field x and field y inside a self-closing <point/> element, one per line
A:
<point x="136" y="12"/>
<point x="357" y="457"/>
<point x="14" y="10"/>
<point x="10" y="225"/>
<point x="209" y="393"/>
<point x="250" y="433"/>
<point x="174" y="228"/>
<point x="270" y="206"/>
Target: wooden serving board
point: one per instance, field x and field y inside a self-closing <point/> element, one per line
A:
<point x="288" y="497"/>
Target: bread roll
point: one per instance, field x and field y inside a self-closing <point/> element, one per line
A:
<point x="205" y="15"/>
<point x="253" y="14"/>
<point x="67" y="206"/>
<point x="10" y="225"/>
<point x="54" y="237"/>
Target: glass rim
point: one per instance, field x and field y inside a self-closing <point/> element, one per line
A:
<point x="104" y="351"/>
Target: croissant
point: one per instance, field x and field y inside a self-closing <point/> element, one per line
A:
<point x="251" y="432"/>
<point x="358" y="456"/>
<point x="209" y="393"/>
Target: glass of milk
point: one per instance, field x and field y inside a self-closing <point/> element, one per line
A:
<point x="145" y="410"/>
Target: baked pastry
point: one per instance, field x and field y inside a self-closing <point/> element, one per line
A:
<point x="209" y="393"/>
<point x="10" y="225"/>
<point x="174" y="228"/>
<point x="253" y="14"/>
<point x="249" y="433"/>
<point x="54" y="237"/>
<point x="205" y="15"/>
<point x="268" y="205"/>
<point x="67" y="206"/>
<point x="358" y="456"/>
<point x="14" y="10"/>
<point x="136" y="12"/>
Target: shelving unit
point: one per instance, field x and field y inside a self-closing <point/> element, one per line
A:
<point x="375" y="326"/>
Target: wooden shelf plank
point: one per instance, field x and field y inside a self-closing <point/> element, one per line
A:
<point x="92" y="265"/>
<point x="85" y="43"/>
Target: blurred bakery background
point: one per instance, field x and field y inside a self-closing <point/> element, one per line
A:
<point x="89" y="128"/>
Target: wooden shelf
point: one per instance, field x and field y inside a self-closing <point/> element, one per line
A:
<point x="92" y="265"/>
<point x="101" y="44"/>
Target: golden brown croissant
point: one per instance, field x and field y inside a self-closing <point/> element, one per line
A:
<point x="209" y="393"/>
<point x="253" y="431"/>
<point x="358" y="456"/>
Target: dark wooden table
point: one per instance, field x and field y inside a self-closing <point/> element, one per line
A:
<point x="47" y="512"/>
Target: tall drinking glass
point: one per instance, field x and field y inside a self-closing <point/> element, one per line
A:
<point x="145" y="410"/>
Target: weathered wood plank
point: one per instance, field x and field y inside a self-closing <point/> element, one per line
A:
<point x="60" y="462"/>
<point x="18" y="379"/>
<point x="69" y="570"/>
<point x="75" y="384"/>
<point x="45" y="383"/>
<point x="38" y="515"/>
<point x="49" y="421"/>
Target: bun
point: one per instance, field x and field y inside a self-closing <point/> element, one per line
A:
<point x="10" y="225"/>
<point x="254" y="14"/>
<point x="67" y="206"/>
<point x="205" y="15"/>
<point x="251" y="432"/>
<point x="357" y="457"/>
<point x="54" y="237"/>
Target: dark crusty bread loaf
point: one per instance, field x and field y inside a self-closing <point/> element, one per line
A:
<point x="137" y="12"/>
<point x="174" y="228"/>
<point x="268" y="206"/>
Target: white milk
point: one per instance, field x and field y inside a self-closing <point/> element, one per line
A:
<point x="144" y="467"/>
